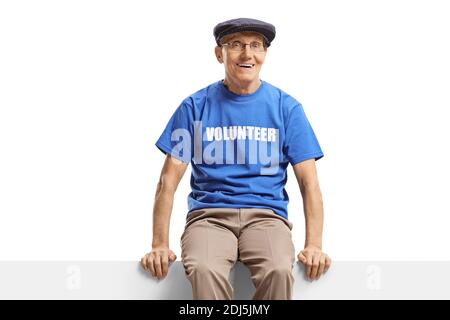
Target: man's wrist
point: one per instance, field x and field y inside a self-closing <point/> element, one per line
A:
<point x="313" y="245"/>
<point x="160" y="244"/>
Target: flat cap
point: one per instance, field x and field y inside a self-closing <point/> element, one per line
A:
<point x="267" y="30"/>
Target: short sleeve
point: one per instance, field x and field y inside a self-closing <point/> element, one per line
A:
<point x="177" y="137"/>
<point x="300" y="141"/>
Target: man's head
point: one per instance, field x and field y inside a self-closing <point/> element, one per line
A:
<point x="242" y="47"/>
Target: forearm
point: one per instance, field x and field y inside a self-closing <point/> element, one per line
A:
<point x="313" y="209"/>
<point x="162" y="211"/>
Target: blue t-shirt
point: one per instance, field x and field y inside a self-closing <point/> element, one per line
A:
<point x="239" y="146"/>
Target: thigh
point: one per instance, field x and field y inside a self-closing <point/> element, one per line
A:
<point x="203" y="242"/>
<point x="267" y="243"/>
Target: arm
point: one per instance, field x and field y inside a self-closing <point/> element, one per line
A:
<point x="315" y="260"/>
<point x="171" y="175"/>
<point x="157" y="261"/>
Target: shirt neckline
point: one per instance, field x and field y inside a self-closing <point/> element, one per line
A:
<point x="240" y="97"/>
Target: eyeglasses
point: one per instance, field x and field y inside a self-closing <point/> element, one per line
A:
<point x="237" y="46"/>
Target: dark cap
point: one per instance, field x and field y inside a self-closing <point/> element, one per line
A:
<point x="267" y="30"/>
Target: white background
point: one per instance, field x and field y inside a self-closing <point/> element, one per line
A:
<point x="86" y="88"/>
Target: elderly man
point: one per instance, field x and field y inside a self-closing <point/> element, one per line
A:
<point x="239" y="134"/>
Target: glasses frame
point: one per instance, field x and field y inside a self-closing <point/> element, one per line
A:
<point x="244" y="46"/>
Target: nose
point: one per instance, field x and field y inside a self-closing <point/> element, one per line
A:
<point x="246" y="52"/>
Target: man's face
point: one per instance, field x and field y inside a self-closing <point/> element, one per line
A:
<point x="241" y="67"/>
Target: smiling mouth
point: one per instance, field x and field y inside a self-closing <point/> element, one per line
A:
<point x="245" y="65"/>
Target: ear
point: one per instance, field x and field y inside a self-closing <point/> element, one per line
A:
<point x="218" y="52"/>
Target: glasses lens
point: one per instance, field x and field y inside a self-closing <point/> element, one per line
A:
<point x="238" y="46"/>
<point x="256" y="46"/>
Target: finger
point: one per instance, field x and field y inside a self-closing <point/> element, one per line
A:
<point x="157" y="264"/>
<point x="151" y="264"/>
<point x="315" y="266"/>
<point x="321" y="266"/>
<point x="327" y="263"/>
<point x="144" y="262"/>
<point x="302" y="258"/>
<point x="172" y="257"/>
<point x="308" y="266"/>
<point x="164" y="263"/>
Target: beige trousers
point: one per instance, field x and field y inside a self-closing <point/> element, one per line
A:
<point x="215" y="238"/>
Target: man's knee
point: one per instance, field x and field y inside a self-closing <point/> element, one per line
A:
<point x="279" y="271"/>
<point x="203" y="268"/>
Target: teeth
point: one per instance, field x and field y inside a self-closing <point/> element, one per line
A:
<point x="245" y="65"/>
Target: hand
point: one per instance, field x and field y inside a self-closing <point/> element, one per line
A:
<point x="157" y="261"/>
<point x="316" y="262"/>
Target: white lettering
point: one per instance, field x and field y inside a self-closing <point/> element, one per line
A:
<point x="242" y="133"/>
<point x="254" y="145"/>
<point x="250" y="132"/>
<point x="263" y="134"/>
<point x="272" y="135"/>
<point x="209" y="133"/>
<point x="257" y="133"/>
<point x="218" y="133"/>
